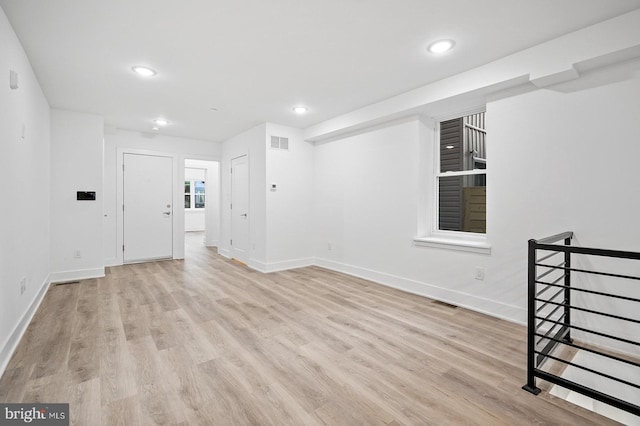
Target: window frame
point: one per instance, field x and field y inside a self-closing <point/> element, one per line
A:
<point x="448" y="239"/>
<point x="192" y="194"/>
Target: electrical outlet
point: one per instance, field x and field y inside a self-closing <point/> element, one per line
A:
<point x="23" y="286"/>
<point x="329" y="246"/>
<point x="77" y="254"/>
<point x="479" y="273"/>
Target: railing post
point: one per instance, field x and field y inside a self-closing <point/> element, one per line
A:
<point x="531" y="320"/>
<point x="567" y="291"/>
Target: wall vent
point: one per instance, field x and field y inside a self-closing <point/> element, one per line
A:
<point x="279" y="142"/>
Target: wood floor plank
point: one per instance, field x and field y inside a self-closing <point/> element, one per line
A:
<point x="208" y="341"/>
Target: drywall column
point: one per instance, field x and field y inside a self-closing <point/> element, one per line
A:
<point x="289" y="205"/>
<point x="76" y="165"/>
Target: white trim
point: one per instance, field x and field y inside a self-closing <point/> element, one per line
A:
<point x="81" y="274"/>
<point x="473" y="172"/>
<point x="11" y="344"/>
<point x="177" y="196"/>
<point x="256" y="264"/>
<point x="182" y="161"/>
<point x="111" y="262"/>
<point x="489" y="307"/>
<point x="212" y="243"/>
<point x="224" y="252"/>
<point x="283" y="265"/>
<point x="457" y="244"/>
<point x="232" y="248"/>
<point x="459" y="114"/>
<point x="451" y="240"/>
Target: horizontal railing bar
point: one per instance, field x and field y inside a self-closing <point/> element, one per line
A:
<point x="590" y="311"/>
<point x="471" y="126"/>
<point x="593" y="351"/>
<point x="555" y="325"/>
<point x="584" y="290"/>
<point x="589" y="251"/>
<point x="606" y="274"/>
<point x="591" y="370"/>
<point x="554" y="238"/>
<point x="598" y="333"/>
<point x="591" y="393"/>
<point x="544" y="305"/>
<point x="552" y="268"/>
<point x="548" y="285"/>
<point x="550" y="346"/>
<point x="549" y="316"/>
<point x="557" y="294"/>
<point x="548" y="256"/>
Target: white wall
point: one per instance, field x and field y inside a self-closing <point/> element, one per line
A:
<point x="125" y="140"/>
<point x="553" y="110"/>
<point x="251" y="143"/>
<point x="279" y="220"/>
<point x="24" y="185"/>
<point x="567" y="160"/>
<point x="289" y="206"/>
<point x="562" y="159"/>
<point x="76" y="165"/>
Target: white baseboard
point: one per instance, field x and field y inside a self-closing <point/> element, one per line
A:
<point x="224" y="252"/>
<point x="280" y="266"/>
<point x="11" y="344"/>
<point x="212" y="243"/>
<point x="490" y="307"/>
<point x="289" y="264"/>
<point x="257" y="265"/>
<point x="473" y="302"/>
<point x="112" y="262"/>
<point x="82" y="274"/>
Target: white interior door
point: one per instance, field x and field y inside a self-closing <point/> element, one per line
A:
<point x="148" y="208"/>
<point x="240" y="208"/>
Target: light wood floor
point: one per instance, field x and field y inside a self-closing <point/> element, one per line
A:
<point x="205" y="341"/>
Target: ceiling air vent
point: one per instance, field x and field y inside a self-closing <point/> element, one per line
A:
<point x="278" y="142"/>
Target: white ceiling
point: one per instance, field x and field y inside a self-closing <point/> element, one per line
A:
<point x="254" y="60"/>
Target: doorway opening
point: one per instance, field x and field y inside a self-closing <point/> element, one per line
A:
<point x="201" y="203"/>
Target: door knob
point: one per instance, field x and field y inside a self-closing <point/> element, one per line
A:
<point x="166" y="213"/>
<point x="243" y="215"/>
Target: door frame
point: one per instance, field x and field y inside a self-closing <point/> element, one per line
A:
<point x="217" y="190"/>
<point x="178" y="237"/>
<point x="249" y="244"/>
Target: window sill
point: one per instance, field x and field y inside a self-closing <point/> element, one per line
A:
<point x="466" y="242"/>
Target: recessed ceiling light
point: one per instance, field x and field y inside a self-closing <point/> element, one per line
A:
<point x="441" y="46"/>
<point x="156" y="128"/>
<point x="161" y="121"/>
<point x="300" y="109"/>
<point x="143" y="71"/>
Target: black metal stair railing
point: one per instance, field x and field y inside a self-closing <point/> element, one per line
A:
<point x="550" y="322"/>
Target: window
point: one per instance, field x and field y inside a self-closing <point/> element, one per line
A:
<point x="198" y="187"/>
<point x="461" y="177"/>
<point x="187" y="194"/>
<point x="194" y="194"/>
